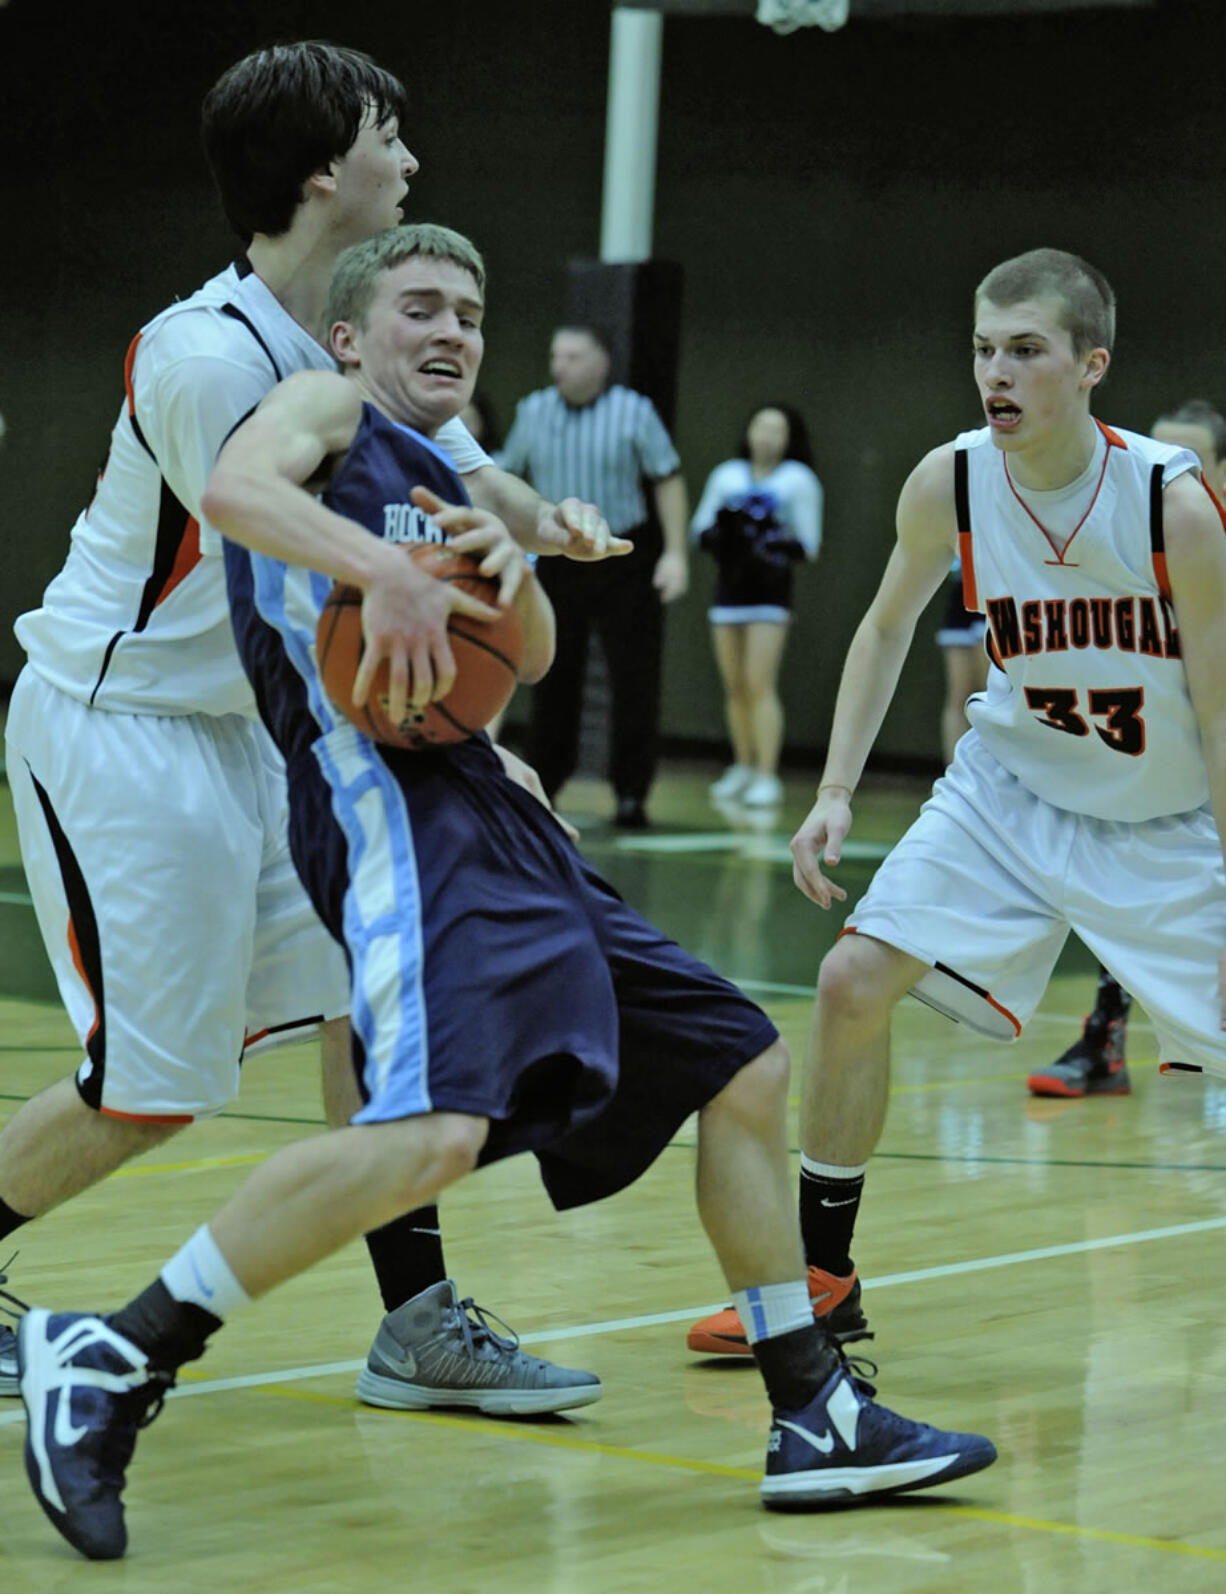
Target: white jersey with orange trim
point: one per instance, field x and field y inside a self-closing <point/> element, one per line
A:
<point x="1087" y="702"/>
<point x="137" y="621"/>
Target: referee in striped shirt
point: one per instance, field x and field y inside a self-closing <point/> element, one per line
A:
<point x="605" y="444"/>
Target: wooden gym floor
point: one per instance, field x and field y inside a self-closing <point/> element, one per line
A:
<point x="1046" y="1273"/>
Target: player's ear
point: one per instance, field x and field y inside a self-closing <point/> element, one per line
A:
<point x="1096" y="363"/>
<point x="321" y="182"/>
<point x="342" y="340"/>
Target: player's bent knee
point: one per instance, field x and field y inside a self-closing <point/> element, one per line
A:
<point x="758" y="1091"/>
<point x="861" y="980"/>
<point x="456" y="1142"/>
<point x="416" y="1157"/>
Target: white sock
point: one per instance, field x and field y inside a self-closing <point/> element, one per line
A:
<point x="200" y="1274"/>
<point x="768" y="1310"/>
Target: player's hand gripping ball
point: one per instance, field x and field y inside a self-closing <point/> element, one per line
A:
<point x="487" y="655"/>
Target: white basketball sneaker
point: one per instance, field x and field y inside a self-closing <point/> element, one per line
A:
<point x="763" y="791"/>
<point x="732" y="782"/>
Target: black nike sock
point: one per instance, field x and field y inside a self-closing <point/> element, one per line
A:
<point x="795" y="1366"/>
<point x="407" y="1254"/>
<point x="169" y="1332"/>
<point x="828" y="1208"/>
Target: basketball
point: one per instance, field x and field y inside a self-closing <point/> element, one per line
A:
<point x="487" y="655"/>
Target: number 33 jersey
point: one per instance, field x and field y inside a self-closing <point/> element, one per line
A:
<point x="1087" y="700"/>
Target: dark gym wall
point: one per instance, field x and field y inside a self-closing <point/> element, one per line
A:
<point x="832" y="199"/>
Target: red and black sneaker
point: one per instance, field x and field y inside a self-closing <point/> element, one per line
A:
<point x="1093" y="1066"/>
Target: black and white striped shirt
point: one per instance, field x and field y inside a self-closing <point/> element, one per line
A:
<point x="599" y="452"/>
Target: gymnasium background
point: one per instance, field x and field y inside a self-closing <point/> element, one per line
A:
<point x="832" y="199"/>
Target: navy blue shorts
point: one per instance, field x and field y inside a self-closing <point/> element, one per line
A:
<point x="496" y="974"/>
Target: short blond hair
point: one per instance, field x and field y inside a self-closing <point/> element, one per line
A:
<point x="360" y="266"/>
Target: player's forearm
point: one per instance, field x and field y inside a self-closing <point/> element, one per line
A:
<point x="673" y="509"/>
<point x="536" y="616"/>
<point x="274" y="517"/>
<point x="870" y="679"/>
<point x="520" y="507"/>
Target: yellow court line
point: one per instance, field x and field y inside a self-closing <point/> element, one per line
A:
<point x="1134" y="1541"/>
<point x="198" y="1165"/>
<point x="535" y="1437"/>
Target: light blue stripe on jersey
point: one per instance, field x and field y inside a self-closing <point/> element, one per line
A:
<point x="291" y="601"/>
<point x="382" y="925"/>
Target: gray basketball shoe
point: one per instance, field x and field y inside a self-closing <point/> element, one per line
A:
<point x="436" y="1350"/>
<point x="10" y="1379"/>
<point x="8" y="1362"/>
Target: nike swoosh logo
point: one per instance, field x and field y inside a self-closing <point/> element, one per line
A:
<point x="66" y="1431"/>
<point x="824" y="1443"/>
<point x="204" y="1289"/>
<point x="401" y="1361"/>
<point x="850" y="1202"/>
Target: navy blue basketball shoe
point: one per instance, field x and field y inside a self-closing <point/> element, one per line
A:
<point x="843" y="1447"/>
<point x="87" y="1392"/>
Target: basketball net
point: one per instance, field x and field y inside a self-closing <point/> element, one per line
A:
<point x="785" y="16"/>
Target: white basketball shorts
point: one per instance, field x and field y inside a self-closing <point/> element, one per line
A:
<point x="988" y="881"/>
<point x="156" y="853"/>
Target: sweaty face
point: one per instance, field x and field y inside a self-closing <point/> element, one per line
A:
<point x="579" y="367"/>
<point x="1031" y="383"/>
<point x="418" y="354"/>
<point x="372" y="178"/>
<point x="1199" y="439"/>
<point x="768" y="437"/>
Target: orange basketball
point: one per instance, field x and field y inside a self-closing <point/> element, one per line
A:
<point x="487" y="658"/>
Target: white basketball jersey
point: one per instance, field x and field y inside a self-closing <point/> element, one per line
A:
<point x="137" y="620"/>
<point x="1087" y="703"/>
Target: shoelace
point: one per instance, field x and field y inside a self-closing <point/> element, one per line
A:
<point x="149" y="1397"/>
<point x="154" y="1396"/>
<point x="7" y="1301"/>
<point x="475" y="1332"/>
<point x="859" y="1369"/>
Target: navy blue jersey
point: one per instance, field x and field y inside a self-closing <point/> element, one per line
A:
<point x="275" y="607"/>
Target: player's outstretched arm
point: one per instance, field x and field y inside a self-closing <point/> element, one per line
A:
<point x="1196" y="565"/>
<point x="917" y="567"/>
<point x="573" y="528"/>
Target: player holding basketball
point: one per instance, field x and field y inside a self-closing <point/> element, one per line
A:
<point x="1086" y="793"/>
<point x="558" y="1021"/>
<point x="150" y="802"/>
